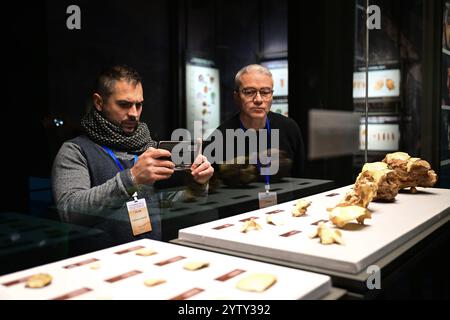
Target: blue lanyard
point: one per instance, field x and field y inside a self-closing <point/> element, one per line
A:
<point x="267" y="177"/>
<point x="113" y="156"/>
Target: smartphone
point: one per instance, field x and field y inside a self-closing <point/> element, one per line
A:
<point x="183" y="152"/>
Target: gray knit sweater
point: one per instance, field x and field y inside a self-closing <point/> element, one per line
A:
<point x="80" y="203"/>
<point x="72" y="185"/>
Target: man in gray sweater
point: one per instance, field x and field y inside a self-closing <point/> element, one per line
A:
<point x="97" y="173"/>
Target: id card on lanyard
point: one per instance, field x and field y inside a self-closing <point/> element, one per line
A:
<point x="137" y="208"/>
<point x="267" y="198"/>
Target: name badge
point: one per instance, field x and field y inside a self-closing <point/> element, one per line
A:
<point x="267" y="199"/>
<point x="139" y="218"/>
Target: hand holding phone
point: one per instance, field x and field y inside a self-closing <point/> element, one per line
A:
<point x="183" y="153"/>
<point x="152" y="166"/>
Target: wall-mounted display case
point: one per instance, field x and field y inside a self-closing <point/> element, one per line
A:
<point x="279" y="70"/>
<point x="202" y="95"/>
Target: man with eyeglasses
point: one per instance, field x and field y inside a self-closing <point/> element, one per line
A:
<point x="253" y="95"/>
<point x="98" y="176"/>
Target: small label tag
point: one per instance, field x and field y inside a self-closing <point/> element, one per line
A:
<point x="139" y="218"/>
<point x="267" y="199"/>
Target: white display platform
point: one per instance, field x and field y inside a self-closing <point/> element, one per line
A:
<point x="392" y="224"/>
<point x="118" y="273"/>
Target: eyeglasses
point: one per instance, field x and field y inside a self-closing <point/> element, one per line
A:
<point x="250" y="93"/>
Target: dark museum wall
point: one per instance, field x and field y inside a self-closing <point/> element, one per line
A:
<point x="321" y="73"/>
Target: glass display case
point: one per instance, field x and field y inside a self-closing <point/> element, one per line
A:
<point x="394" y="92"/>
<point x="444" y="154"/>
<point x="364" y="90"/>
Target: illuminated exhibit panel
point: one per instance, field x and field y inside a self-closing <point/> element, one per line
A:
<point x="202" y="95"/>
<point x="382" y="83"/>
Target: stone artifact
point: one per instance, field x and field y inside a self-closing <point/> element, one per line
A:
<point x="327" y="235"/>
<point x="39" y="280"/>
<point x="412" y="172"/>
<point x="196" y="265"/>
<point x="300" y="207"/>
<point x="257" y="282"/>
<point x="250" y="225"/>
<point x="340" y="216"/>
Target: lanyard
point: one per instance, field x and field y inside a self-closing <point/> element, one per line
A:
<point x="113" y="156"/>
<point x="266" y="177"/>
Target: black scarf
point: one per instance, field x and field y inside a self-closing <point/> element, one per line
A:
<point x="105" y="133"/>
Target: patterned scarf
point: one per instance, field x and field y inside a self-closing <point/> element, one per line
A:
<point x="105" y="133"/>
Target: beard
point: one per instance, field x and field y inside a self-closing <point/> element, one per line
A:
<point x="129" y="126"/>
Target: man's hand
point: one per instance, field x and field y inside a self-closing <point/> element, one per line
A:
<point x="201" y="169"/>
<point x="149" y="168"/>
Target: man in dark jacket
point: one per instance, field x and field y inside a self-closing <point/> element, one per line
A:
<point x="253" y="95"/>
